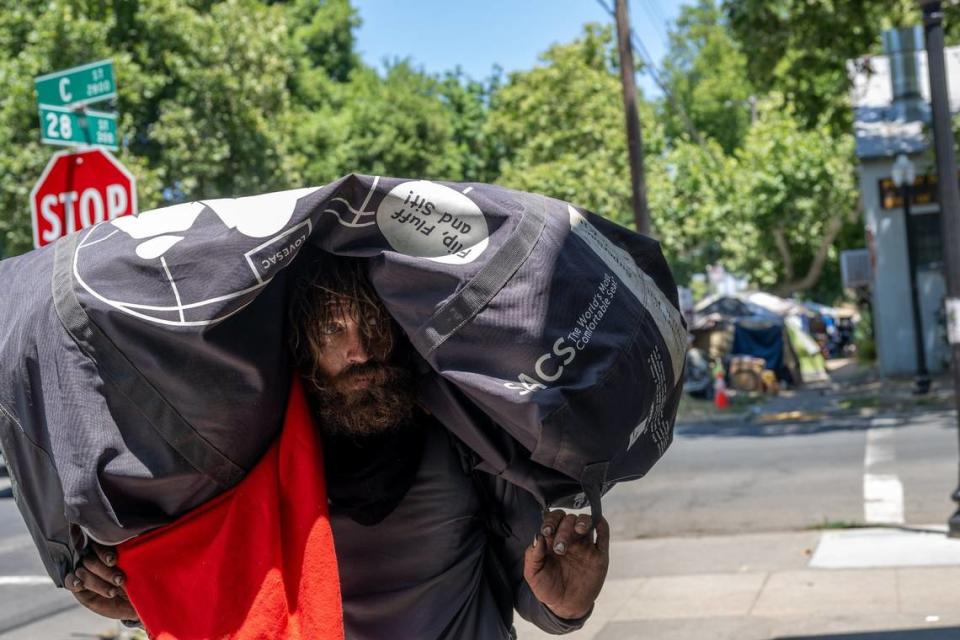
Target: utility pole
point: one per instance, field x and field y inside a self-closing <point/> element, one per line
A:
<point x="641" y="214"/>
<point x="949" y="191"/>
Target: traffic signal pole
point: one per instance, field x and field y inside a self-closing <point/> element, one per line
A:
<point x="949" y="191"/>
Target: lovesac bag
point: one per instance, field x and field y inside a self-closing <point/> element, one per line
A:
<point x="143" y="368"/>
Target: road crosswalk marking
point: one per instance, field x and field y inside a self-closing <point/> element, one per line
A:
<point x="882" y="492"/>
<point x="24" y="581"/>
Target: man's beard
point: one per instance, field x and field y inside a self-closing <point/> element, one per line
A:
<point x="385" y="403"/>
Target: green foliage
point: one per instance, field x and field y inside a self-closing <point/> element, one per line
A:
<point x="227" y="98"/>
<point x="796" y="187"/>
<point x="322" y="31"/>
<point x="468" y="102"/>
<point x="398" y="125"/>
<point x="692" y="195"/>
<point x="800" y="48"/>
<point x="705" y="71"/>
<point x="199" y="90"/>
<point x="766" y="211"/>
<point x="231" y="97"/>
<point x="561" y="126"/>
<point x="863" y="337"/>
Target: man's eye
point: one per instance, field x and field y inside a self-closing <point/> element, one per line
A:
<point x="331" y="328"/>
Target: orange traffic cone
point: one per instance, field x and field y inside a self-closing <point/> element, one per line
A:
<point x="720" y="398"/>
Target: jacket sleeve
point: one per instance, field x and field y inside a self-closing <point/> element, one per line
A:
<point x="523" y="516"/>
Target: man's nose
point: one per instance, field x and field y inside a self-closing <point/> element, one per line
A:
<point x="356" y="352"/>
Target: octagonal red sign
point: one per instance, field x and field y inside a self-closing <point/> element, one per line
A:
<point x="78" y="190"/>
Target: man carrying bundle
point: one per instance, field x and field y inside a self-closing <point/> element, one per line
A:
<point x="426" y="546"/>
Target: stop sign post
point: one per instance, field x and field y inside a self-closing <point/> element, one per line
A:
<point x="78" y="190"/>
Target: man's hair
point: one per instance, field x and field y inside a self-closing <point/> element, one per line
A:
<point x="326" y="288"/>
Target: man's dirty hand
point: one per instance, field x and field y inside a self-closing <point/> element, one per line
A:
<point x="98" y="584"/>
<point x="565" y="567"/>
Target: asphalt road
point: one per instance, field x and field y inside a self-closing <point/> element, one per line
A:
<point x="24" y="594"/>
<point x="733" y="477"/>
<point x="737" y="477"/>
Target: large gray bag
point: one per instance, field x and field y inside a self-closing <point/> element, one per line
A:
<point x="143" y="369"/>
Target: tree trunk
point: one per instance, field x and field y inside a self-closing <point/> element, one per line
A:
<point x="816" y="267"/>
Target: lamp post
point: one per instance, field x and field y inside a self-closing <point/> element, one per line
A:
<point x="903" y="175"/>
<point x="949" y="190"/>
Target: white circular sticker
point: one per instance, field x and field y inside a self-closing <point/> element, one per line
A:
<point x="428" y="220"/>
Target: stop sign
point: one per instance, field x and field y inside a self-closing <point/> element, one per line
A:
<point x="78" y="190"/>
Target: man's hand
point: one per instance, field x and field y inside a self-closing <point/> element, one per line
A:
<point x="564" y="567"/>
<point x="98" y="585"/>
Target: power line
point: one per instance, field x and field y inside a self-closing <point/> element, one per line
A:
<point x="661" y="24"/>
<point x="656" y="7"/>
<point x="654" y="21"/>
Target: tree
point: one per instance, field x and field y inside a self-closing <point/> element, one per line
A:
<point x="797" y="192"/>
<point x="468" y="102"/>
<point x="800" y="48"/>
<point x="561" y="127"/>
<point x="227" y="98"/>
<point x="202" y="94"/>
<point x="692" y="197"/>
<point x="705" y="72"/>
<point x="397" y="125"/>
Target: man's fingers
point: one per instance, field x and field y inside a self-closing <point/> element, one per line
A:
<point x="115" y="608"/>
<point x="107" y="555"/>
<point x="603" y="536"/>
<point x="72" y="583"/>
<point x="566" y="535"/>
<point x="88" y="599"/>
<point x="95" y="583"/>
<point x="108" y="574"/>
<point x="535" y="556"/>
<point x="551" y="521"/>
<point x="582" y="526"/>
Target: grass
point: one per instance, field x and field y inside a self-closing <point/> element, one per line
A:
<point x="859" y="402"/>
<point x="691" y="407"/>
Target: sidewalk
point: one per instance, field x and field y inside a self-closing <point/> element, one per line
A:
<point x="856" y="584"/>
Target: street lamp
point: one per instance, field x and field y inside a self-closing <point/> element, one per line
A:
<point x="949" y="191"/>
<point x="903" y="175"/>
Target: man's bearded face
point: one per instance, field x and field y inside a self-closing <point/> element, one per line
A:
<point x="359" y="388"/>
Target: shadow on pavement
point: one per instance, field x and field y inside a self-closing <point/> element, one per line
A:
<point x="943" y="633"/>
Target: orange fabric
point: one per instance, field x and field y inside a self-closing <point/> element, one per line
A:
<point x="257" y="562"/>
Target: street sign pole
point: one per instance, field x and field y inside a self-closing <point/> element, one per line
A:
<point x="949" y="198"/>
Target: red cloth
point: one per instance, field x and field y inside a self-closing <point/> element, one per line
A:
<point x="254" y="563"/>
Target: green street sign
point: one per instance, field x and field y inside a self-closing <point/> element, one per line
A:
<point x="65" y="126"/>
<point x="81" y="85"/>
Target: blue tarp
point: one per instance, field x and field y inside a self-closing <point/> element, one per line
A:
<point x="766" y="343"/>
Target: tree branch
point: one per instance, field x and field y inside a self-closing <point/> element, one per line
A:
<point x="780" y="240"/>
<point x="819" y="259"/>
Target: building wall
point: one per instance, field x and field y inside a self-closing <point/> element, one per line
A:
<point x="892" y="314"/>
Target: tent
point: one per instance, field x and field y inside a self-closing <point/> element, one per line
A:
<point x="760" y="325"/>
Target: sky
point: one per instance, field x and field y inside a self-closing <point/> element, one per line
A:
<point x="476" y="35"/>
